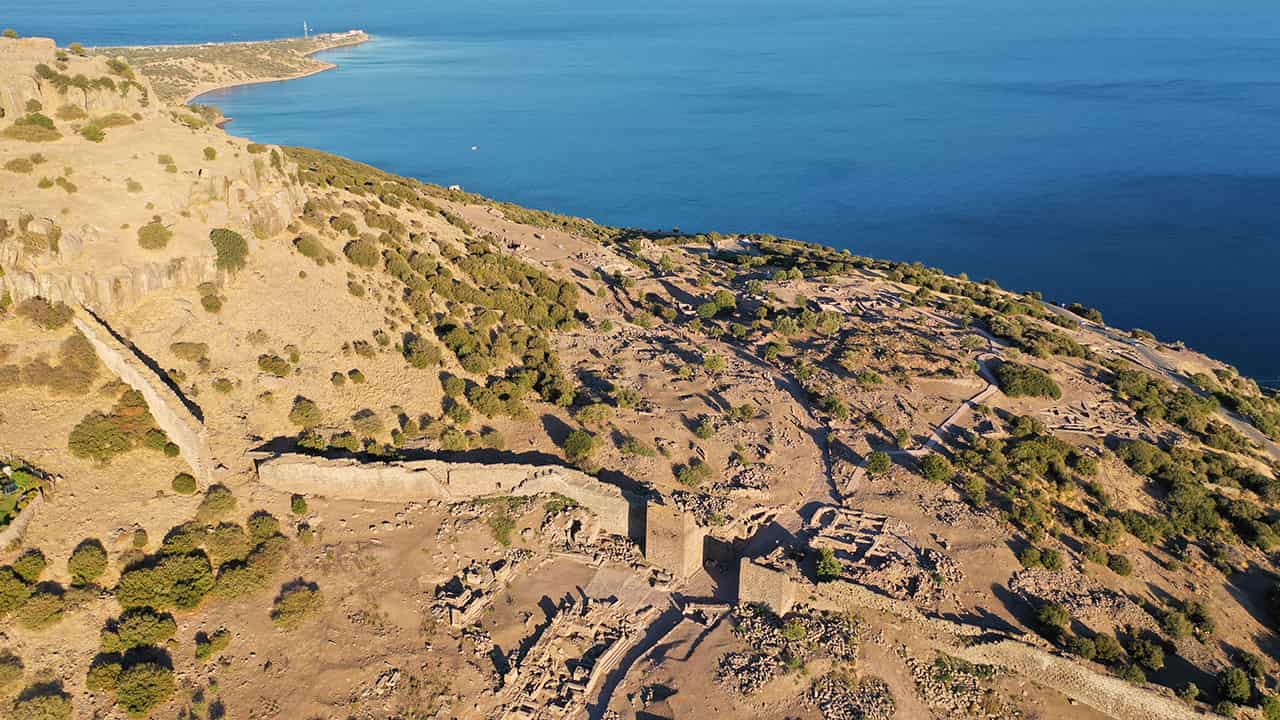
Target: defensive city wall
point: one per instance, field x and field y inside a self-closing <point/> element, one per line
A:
<point x="418" y="480"/>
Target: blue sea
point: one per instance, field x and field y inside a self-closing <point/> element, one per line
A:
<point x="1120" y="153"/>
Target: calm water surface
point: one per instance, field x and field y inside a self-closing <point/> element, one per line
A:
<point x="1125" y="154"/>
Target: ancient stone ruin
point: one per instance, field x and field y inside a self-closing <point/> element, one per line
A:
<point x="587" y="637"/>
<point x="768" y="581"/>
<point x="418" y="480"/>
<point x="168" y="408"/>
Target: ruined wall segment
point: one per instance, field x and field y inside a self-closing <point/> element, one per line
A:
<point x="172" y="415"/>
<point x="673" y="541"/>
<point x="766" y="582"/>
<point x="417" y="480"/>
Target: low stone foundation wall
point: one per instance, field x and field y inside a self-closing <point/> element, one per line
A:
<point x="418" y="480"/>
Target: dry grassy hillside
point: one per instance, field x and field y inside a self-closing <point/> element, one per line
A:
<point x="987" y="506"/>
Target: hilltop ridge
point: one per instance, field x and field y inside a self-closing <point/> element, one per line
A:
<point x="287" y="433"/>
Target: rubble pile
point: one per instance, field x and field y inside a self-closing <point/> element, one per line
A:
<point x="778" y="643"/>
<point x="708" y="510"/>
<point x="747" y="672"/>
<point x="957" y="688"/>
<point x="741" y="476"/>
<point x="942" y="565"/>
<point x="1084" y="597"/>
<point x="840" y="697"/>
<point x="461" y="600"/>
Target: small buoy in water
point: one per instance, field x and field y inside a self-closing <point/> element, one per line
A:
<point x="475" y="147"/>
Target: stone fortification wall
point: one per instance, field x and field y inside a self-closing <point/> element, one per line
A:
<point x="417" y="480"/>
<point x="1105" y="693"/>
<point x="11" y="534"/>
<point x="172" y="415"/>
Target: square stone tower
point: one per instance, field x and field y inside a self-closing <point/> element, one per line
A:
<point x="673" y="540"/>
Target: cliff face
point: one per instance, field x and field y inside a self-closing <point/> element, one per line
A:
<point x="75" y="199"/>
<point x="33" y="69"/>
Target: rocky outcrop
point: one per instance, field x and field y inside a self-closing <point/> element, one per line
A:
<point x="417" y="480"/>
<point x="170" y="412"/>
<point x="86" y="82"/>
<point x="109" y="288"/>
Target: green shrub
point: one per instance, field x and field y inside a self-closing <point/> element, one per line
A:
<point x="305" y="413"/>
<point x="10" y="669"/>
<point x="595" y="414"/>
<point x="694" y="473"/>
<point x="298" y="505"/>
<point x="190" y="351"/>
<point x="1107" y="647"/>
<point x="311" y="247"/>
<point x="256" y="148"/>
<point x="98" y="437"/>
<point x="33" y="128"/>
<point x="878" y="463"/>
<point x="154" y="235"/>
<point x="1054" y="617"/>
<point x="579" y="444"/>
<point x="705" y="429"/>
<point x="103" y="674"/>
<point x="1119" y="564"/>
<point x="1082" y="647"/>
<point x="87" y="562"/>
<point x="218" y="502"/>
<point x="295" y="603"/>
<point x="209" y="645"/>
<point x="274" y="364"/>
<point x="41" y="702"/>
<point x="166" y="581"/>
<point x="1234" y="686"/>
<point x="937" y="468"/>
<point x="362" y="252"/>
<point x="367" y="423"/>
<point x="1018" y="380"/>
<point x="30" y="565"/>
<point x="1147" y="653"/>
<point x="421" y="353"/>
<point x="1030" y="558"/>
<point x="43" y="609"/>
<point x="44" y="314"/>
<point x="143" y="686"/>
<point x="19" y="165"/>
<point x="14" y="591"/>
<point x="829" y="566"/>
<point x="1051" y="559"/>
<point x="223" y="543"/>
<point x="454" y="386"/>
<point x="231" y="247"/>
<point x="184" y="484"/>
<point x="135" y="628"/>
<point x="254" y="573"/>
<point x="262" y="526"/>
<point x="93" y="133"/>
<point x="210" y="153"/>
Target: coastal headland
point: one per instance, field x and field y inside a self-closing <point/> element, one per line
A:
<point x="181" y="73"/>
